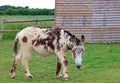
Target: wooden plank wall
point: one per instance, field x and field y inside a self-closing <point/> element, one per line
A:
<point x="98" y="20"/>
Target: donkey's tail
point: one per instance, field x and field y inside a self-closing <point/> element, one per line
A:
<point x="15" y="45"/>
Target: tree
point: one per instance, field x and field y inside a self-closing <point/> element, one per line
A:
<point x="12" y="10"/>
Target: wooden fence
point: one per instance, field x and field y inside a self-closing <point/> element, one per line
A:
<point x="18" y="21"/>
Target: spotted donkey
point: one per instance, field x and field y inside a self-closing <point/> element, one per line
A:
<point x="47" y="41"/>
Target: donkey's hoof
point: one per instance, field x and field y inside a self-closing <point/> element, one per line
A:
<point x="12" y="75"/>
<point x="59" y="76"/>
<point x="66" y="78"/>
<point x="30" y="77"/>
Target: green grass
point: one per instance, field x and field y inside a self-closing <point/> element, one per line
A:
<point x="20" y="26"/>
<point x="101" y="64"/>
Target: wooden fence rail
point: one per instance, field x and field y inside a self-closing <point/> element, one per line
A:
<point x="22" y="21"/>
<point x="18" y="21"/>
<point x="2" y="31"/>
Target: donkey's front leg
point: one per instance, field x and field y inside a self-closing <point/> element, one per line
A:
<point x="64" y="63"/>
<point x="65" y="68"/>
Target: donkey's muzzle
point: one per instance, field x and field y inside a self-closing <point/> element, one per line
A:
<point x="78" y="66"/>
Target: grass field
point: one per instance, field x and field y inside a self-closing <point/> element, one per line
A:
<point x="101" y="64"/>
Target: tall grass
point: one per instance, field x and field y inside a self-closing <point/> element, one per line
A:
<point x="20" y="26"/>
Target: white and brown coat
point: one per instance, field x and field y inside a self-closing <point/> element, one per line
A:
<point x="46" y="41"/>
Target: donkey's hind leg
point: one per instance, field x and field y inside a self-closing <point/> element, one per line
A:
<point x="25" y="59"/>
<point x="16" y="60"/>
<point x="58" y="68"/>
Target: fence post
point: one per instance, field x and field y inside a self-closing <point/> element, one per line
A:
<point x="2" y="28"/>
<point x="36" y="23"/>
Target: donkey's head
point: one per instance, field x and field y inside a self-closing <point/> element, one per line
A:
<point x="78" y="50"/>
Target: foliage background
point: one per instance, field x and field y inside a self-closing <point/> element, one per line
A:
<point x="12" y="10"/>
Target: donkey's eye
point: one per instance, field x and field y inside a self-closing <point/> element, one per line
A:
<point x="75" y="49"/>
<point x="82" y="49"/>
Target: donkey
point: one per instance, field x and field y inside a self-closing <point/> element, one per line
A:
<point x="47" y="41"/>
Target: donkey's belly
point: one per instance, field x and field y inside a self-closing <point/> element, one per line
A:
<point x="43" y="51"/>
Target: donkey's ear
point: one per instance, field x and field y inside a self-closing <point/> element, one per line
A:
<point x="73" y="39"/>
<point x="82" y="39"/>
